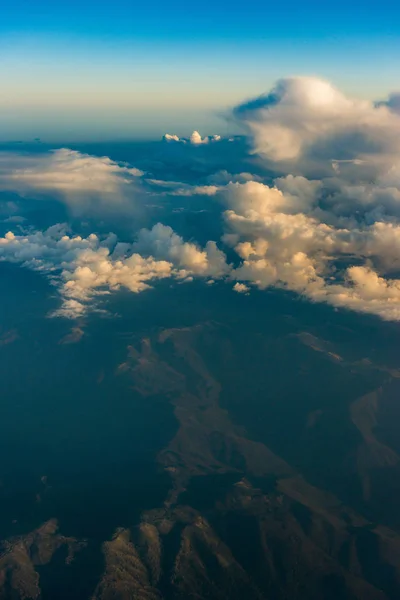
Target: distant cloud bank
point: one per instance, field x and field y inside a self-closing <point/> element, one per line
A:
<point x="195" y="139"/>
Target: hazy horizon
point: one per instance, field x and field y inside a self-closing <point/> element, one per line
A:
<point x="91" y="71"/>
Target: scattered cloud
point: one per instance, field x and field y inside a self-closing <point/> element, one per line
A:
<point x="195" y="139"/>
<point x="84" y="268"/>
<point x="322" y="219"/>
<point x="282" y="242"/>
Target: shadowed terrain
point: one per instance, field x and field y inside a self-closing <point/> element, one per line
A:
<point x="209" y="458"/>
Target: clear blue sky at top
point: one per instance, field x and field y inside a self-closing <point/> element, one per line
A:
<point x="207" y="19"/>
<point x="91" y="68"/>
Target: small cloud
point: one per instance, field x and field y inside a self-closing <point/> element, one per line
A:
<point x="171" y="138"/>
<point x="241" y="288"/>
<point x="195" y="139"/>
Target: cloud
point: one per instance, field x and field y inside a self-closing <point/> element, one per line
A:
<point x="365" y="292"/>
<point x="282" y="240"/>
<point x="322" y="219"/>
<point x="171" y="138"/>
<point x="305" y="124"/>
<point x="14" y="219"/>
<point x="241" y="288"/>
<point x="195" y="139"/>
<point x="162" y="241"/>
<point x="84" y="268"/>
<point x="329" y="226"/>
<point x="86" y="184"/>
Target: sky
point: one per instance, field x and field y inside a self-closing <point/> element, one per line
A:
<point x="95" y="70"/>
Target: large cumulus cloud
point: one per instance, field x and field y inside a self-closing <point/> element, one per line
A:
<point x="305" y="125"/>
<point x="327" y="225"/>
<point x="282" y="242"/>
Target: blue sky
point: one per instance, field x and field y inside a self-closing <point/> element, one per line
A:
<point x="95" y="69"/>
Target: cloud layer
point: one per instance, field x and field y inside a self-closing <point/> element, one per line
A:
<point x="283" y="243"/>
<point x="321" y="217"/>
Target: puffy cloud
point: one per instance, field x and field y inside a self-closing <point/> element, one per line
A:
<point x="87" y="184"/>
<point x="305" y="124"/>
<point x="83" y="268"/>
<point x="365" y="292"/>
<point x="360" y="202"/>
<point x="241" y="288"/>
<point x="162" y="241"/>
<point x="336" y="237"/>
<point x="289" y="195"/>
<point x="322" y="221"/>
<point x="194" y="139"/>
<point x="171" y="138"/>
<point x="281" y="242"/>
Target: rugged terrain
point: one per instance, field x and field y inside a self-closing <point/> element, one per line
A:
<point x="283" y="475"/>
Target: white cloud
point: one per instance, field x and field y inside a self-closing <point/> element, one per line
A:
<point x="162" y="241"/>
<point x="305" y="124"/>
<point x="241" y="288"/>
<point x="87" y="184"/>
<point x="282" y="242"/>
<point x="83" y="268"/>
<point x="195" y="138"/>
<point x="171" y="138"/>
<point x="365" y="292"/>
<point x="327" y="226"/>
<point x="334" y="238"/>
